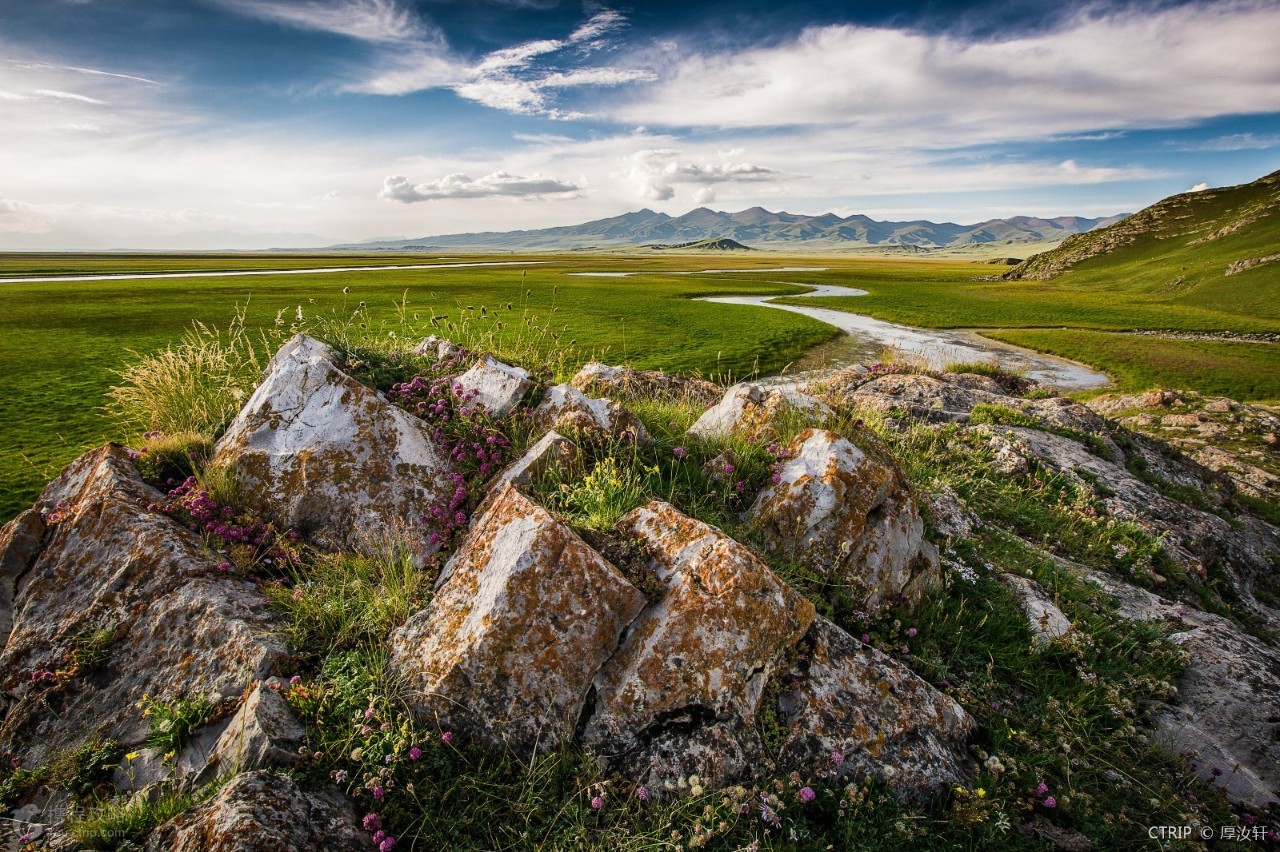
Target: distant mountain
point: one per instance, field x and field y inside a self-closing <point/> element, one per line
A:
<point x="1177" y="245"/>
<point x="757" y="227"/>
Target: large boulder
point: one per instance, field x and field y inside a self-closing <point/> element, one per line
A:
<point x="523" y="616"/>
<point x="848" y="514"/>
<point x="20" y="539"/>
<point x="260" y="811"/>
<point x="564" y="408"/>
<point x="177" y="628"/>
<point x="754" y="409"/>
<point x="551" y="452"/>
<point x="680" y="696"/>
<point x="839" y="696"/>
<point x="494" y="386"/>
<point x="321" y="453"/>
<point x="625" y="382"/>
<point x="1224" y="714"/>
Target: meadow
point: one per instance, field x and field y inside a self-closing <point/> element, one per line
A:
<point x="62" y="342"/>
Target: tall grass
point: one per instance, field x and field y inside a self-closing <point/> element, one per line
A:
<point x="194" y="386"/>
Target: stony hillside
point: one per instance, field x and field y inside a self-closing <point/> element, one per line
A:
<point x="1179" y="241"/>
<point x="419" y="597"/>
<point x="759" y="227"/>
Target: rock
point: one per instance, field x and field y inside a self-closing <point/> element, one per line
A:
<point x="625" y="382"/>
<point x="923" y="397"/>
<point x="680" y="696"/>
<point x="20" y="540"/>
<point x="1224" y="714"/>
<point x="553" y="451"/>
<point x="1063" y="839"/>
<point x="524" y="614"/>
<point x="846" y="513"/>
<point x="565" y="408"/>
<point x="951" y="518"/>
<point x="319" y="452"/>
<point x="752" y="409"/>
<point x="839" y="695"/>
<point x="1046" y="621"/>
<point x="260" y="811"/>
<point x="495" y="386"/>
<point x="263" y="733"/>
<point x="179" y="628"/>
<point x="438" y="348"/>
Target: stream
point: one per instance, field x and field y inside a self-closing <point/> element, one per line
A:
<point x="866" y="337"/>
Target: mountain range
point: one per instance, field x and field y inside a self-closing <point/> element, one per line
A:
<point x="757" y="227"/>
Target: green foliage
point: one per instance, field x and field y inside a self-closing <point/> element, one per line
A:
<point x="173" y="722"/>
<point x="1002" y="415"/>
<point x="165" y="457"/>
<point x="89" y="646"/>
<point x="124" y="823"/>
<point x="90" y="766"/>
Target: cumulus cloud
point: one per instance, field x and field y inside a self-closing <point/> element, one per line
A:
<point x="656" y="171"/>
<point x="1200" y="187"/>
<point x="1102" y="69"/>
<point x="498" y="184"/>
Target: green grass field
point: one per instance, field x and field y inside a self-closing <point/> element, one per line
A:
<point x="60" y="342"/>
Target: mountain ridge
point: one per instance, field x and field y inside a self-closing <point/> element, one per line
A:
<point x="758" y="227"/>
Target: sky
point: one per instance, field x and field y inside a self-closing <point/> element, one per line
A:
<point x="201" y="124"/>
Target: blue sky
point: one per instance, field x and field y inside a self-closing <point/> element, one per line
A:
<point x="256" y="123"/>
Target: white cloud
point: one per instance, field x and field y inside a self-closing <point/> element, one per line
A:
<point x="706" y="195"/>
<point x="18" y="218"/>
<point x="367" y="20"/>
<point x="656" y="171"/>
<point x="1099" y="70"/>
<point x="1200" y="187"/>
<point x="458" y="185"/>
<point x="1239" y="142"/>
<point x="68" y="96"/>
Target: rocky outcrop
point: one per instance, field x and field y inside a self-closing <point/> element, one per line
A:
<point x="564" y="408"/>
<point x="848" y="514"/>
<point x="1223" y="716"/>
<point x="20" y="539"/>
<point x="496" y="387"/>
<point x="683" y="689"/>
<point x="524" y="614"/>
<point x="176" y="627"/>
<point x="626" y="383"/>
<point x="258" y="811"/>
<point x="754" y="410"/>
<point x="321" y="453"/>
<point x="842" y="697"/>
<point x="1046" y="621"/>
<point x="263" y="733"/>
<point x="551" y="452"/>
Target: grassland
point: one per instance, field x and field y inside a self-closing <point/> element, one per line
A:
<point x="61" y="341"/>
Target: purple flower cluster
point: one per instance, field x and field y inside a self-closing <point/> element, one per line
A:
<point x="381" y="840"/>
<point x="195" y="508"/>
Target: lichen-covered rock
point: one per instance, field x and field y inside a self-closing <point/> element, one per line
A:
<point x="263" y="733"/>
<point x="1224" y="715"/>
<point x="19" y="542"/>
<point x="1046" y="621"/>
<point x="841" y="696"/>
<point x="319" y="452"/>
<point x="625" y="382"/>
<point x="847" y="513"/>
<point x="567" y="409"/>
<point x="264" y="812"/>
<point x="523" y="616"/>
<point x="952" y="519"/>
<point x="552" y="451"/>
<point x="439" y="348"/>
<point x="754" y="409"/>
<point x="177" y="627"/>
<point x="495" y="386"/>
<point x="681" y="694"/>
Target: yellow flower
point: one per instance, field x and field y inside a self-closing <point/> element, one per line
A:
<point x="168" y="755"/>
<point x="981" y="792"/>
<point x="131" y="755"/>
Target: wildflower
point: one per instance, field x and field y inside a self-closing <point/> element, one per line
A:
<point x="387" y="844"/>
<point x="415" y="753"/>
<point x="224" y="567"/>
<point x="642" y="793"/>
<point x="371" y="822"/>
<point x="679" y="452"/>
<point x="837" y="758"/>
<point x="1050" y="802"/>
<point x="379" y="792"/>
<point x="1042" y="788"/>
<point x="340" y="776"/>
<point x="597" y="802"/>
<point x="982" y="793"/>
<point x="911" y="632"/>
<point x="133" y="755"/>
<point x="168" y="755"/>
<point x="368" y="713"/>
<point x="807" y="794"/>
<point x="447" y="737"/>
<point x="356" y="754"/>
<point x="295" y="680"/>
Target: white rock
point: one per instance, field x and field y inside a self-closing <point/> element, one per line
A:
<point x="552" y="451"/>
<point x="1046" y="621"/>
<point x="495" y="386"/>
<point x="565" y="408"/>
<point x="752" y="409"/>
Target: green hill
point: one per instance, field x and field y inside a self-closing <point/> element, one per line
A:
<point x="1206" y="249"/>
